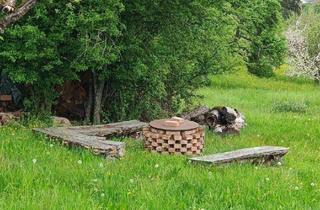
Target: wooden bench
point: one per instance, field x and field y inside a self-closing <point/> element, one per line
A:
<point x="260" y="155"/>
<point x="95" y="137"/>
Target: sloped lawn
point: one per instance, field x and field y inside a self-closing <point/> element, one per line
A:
<point x="38" y="174"/>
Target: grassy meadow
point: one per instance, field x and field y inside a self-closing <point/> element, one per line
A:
<point x="38" y="174"/>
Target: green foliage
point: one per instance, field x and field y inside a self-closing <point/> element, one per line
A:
<point x="153" y="55"/>
<point x="291" y="7"/>
<point x="169" y="56"/>
<point x="259" y="35"/>
<point x="290" y="106"/>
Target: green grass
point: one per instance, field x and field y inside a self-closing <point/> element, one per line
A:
<point x="146" y="181"/>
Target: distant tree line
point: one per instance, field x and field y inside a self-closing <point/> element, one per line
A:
<point x="141" y="58"/>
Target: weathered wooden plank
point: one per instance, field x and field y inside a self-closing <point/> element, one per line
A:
<point x="125" y="128"/>
<point x="94" y="137"/>
<point x="266" y="154"/>
<point x="99" y="145"/>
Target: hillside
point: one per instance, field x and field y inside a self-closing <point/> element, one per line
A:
<point x="279" y="111"/>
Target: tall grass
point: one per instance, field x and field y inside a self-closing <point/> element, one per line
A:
<point x="39" y="174"/>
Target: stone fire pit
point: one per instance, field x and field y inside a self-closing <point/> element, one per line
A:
<point x="174" y="136"/>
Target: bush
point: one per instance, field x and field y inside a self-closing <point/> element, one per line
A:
<point x="290" y="106"/>
<point x="142" y="59"/>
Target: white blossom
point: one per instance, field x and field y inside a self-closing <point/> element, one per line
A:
<point x="301" y="63"/>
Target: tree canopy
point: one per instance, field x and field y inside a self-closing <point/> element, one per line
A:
<point x="138" y="58"/>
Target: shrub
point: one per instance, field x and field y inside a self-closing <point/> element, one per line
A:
<point x="290" y="106"/>
<point x="258" y="35"/>
<point x="143" y="58"/>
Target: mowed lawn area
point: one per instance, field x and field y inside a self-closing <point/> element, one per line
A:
<point x="38" y="174"/>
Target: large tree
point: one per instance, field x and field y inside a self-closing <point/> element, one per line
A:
<point x="141" y="58"/>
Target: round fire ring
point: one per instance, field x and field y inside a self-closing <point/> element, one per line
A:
<point x="174" y="136"/>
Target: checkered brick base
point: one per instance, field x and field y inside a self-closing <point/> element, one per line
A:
<point x="189" y="142"/>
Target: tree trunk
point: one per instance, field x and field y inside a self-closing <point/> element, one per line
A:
<point x="16" y="15"/>
<point x="98" y="94"/>
<point x="89" y="103"/>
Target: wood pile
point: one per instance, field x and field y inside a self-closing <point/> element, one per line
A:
<point x="222" y="120"/>
<point x="5" y="102"/>
<point x="166" y="140"/>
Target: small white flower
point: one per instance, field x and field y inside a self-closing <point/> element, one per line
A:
<point x="279" y="163"/>
<point x="267" y="179"/>
<point x="102" y="195"/>
<point x="131" y="180"/>
<point x="156" y="166"/>
<point x="34" y="161"/>
<point x="79" y="162"/>
<point x="313" y="184"/>
<point x="296" y="188"/>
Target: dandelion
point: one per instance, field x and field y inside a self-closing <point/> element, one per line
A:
<point x="156" y="166"/>
<point x="313" y="184"/>
<point x="34" y="161"/>
<point x="79" y="162"/>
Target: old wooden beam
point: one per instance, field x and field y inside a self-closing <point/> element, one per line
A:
<point x="98" y="145"/>
<point x="94" y="137"/>
<point x="266" y="154"/>
<point x="125" y="128"/>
